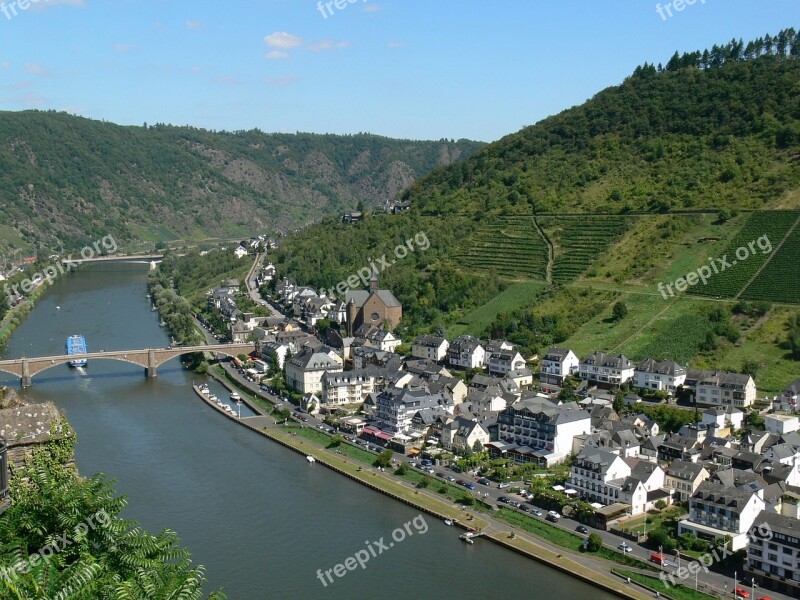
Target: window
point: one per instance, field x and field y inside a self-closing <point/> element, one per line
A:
<point x="375" y="316"/>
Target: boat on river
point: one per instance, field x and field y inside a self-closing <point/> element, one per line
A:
<point x="76" y="344"/>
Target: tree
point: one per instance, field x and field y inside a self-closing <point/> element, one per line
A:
<point x="477" y="447"/>
<point x="336" y="441"/>
<point x="793" y="336"/>
<point x="595" y="542"/>
<point x="384" y="458"/>
<point x="660" y="504"/>
<point x="659" y="537"/>
<point x="619" y="311"/>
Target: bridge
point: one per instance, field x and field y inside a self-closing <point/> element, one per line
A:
<point x="133" y="258"/>
<point x="149" y="358"/>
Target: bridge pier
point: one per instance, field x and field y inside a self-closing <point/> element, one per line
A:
<point x="26" y="380"/>
<point x="151" y="371"/>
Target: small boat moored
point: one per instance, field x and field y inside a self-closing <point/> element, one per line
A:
<point x="466" y="537"/>
<point x="311" y="459"/>
<point x="448" y="521"/>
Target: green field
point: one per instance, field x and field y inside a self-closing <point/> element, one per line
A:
<point x="780" y="279"/>
<point x="515" y="296"/>
<point x="507" y="246"/>
<point x="746" y="256"/>
<point x="579" y="241"/>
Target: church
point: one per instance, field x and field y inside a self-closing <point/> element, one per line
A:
<point x="373" y="307"/>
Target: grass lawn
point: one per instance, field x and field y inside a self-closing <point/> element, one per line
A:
<point x="565" y="539"/>
<point x="638" y="524"/>
<point x="516" y="295"/>
<point x="602" y="333"/>
<point x="678" y="592"/>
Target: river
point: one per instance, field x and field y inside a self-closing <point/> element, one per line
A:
<point x="258" y="516"/>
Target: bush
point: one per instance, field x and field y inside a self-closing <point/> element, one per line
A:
<point x="595" y="542"/>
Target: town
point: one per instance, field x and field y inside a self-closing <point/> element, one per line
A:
<point x="483" y="409"/>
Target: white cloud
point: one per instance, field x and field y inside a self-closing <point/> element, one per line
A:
<point x="372" y="8"/>
<point x="37" y="69"/>
<point x="6" y="65"/>
<point x="328" y="45"/>
<point x="280" y="81"/>
<point x="395" y="44"/>
<point x="194" y="25"/>
<point x="282" y="39"/>
<point x="276" y="55"/>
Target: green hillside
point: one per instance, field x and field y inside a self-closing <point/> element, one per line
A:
<point x="597" y="206"/>
<point x="66" y="181"/>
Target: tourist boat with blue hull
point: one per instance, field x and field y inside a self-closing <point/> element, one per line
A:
<point x="76" y="344"/>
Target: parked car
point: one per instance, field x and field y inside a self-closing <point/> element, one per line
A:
<point x="484" y="481"/>
<point x="442" y="475"/>
<point x="469" y="485"/>
<point x="552" y="513"/>
<point x="741" y="592"/>
<point x="515" y="503"/>
<point x="552" y="518"/>
<point x="582" y="529"/>
<point x="536" y="512"/>
<point x="450" y="478"/>
<point x="526" y="508"/>
<point x="503" y="486"/>
<point x="625" y="548"/>
<point x="503" y="499"/>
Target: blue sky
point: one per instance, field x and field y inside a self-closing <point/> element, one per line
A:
<point x="421" y="69"/>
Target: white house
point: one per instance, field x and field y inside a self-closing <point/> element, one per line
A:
<point x="240" y="251"/>
<point x="723" y="417"/>
<point x="787" y="401"/>
<point x="606" y="370"/>
<point x="715" y="388"/>
<point x="548" y="429"/>
<point x="305" y="370"/>
<point x="773" y="554"/>
<point x="781" y="424"/>
<point x="382" y="339"/>
<point x="504" y="361"/>
<point x="466" y="352"/>
<point x="718" y="511"/>
<point x="348" y="387"/>
<point x="557" y="364"/>
<point x="462" y="433"/>
<point x="601" y="476"/>
<point x="664" y="376"/>
<point x="430" y="347"/>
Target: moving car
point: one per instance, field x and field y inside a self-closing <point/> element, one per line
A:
<point x="625" y="548"/>
<point x="741" y="592"/>
<point x="581" y="529"/>
<point x="552" y="513"/>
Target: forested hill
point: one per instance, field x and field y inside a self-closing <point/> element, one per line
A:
<point x="717" y="129"/>
<point x="68" y="179"/>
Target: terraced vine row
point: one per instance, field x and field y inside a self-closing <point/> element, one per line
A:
<point x="511" y="247"/>
<point x="579" y="241"/>
<point x="780" y="279"/>
<point x="729" y="282"/>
